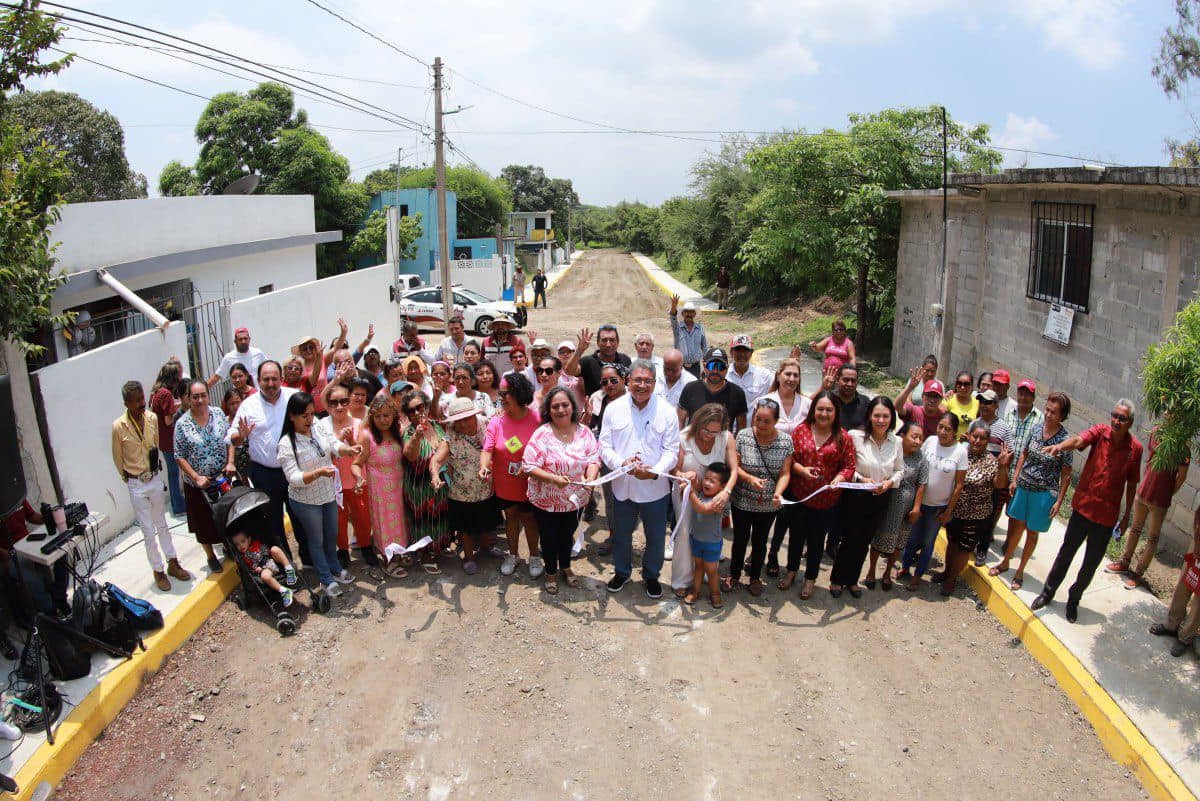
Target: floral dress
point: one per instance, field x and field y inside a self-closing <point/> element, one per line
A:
<point x="385" y="489"/>
<point x="426" y="506"/>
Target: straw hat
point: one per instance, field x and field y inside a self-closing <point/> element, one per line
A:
<point x="460" y="409"/>
<point x="296" y="348"/>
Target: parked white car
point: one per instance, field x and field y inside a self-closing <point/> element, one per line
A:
<point x="425" y="306"/>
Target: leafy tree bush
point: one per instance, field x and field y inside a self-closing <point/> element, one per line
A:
<point x="483" y="202"/>
<point x="371" y="239"/>
<point x="1171" y="385"/>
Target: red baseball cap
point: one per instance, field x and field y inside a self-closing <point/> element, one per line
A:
<point x="1025" y="384"/>
<point x="245" y="331"/>
<point x="934" y="387"/>
<point x="1001" y="377"/>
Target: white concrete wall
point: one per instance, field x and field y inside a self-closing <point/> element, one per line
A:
<point x="82" y="396"/>
<point x="279" y="320"/>
<point x="92" y="235"/>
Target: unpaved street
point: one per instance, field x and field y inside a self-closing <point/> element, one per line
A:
<point x="444" y="687"/>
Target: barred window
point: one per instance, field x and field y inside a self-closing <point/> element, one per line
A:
<point x="1060" y="254"/>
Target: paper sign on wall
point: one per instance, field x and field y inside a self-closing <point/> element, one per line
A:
<point x="1058" y="324"/>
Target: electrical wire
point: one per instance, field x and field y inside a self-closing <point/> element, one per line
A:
<point x="374" y="36"/>
<point x="312" y="86"/>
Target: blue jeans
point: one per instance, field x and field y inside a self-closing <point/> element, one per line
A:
<point x="919" y="549"/>
<point x="654" y="522"/>
<point x="320" y="524"/>
<point x="174" y="485"/>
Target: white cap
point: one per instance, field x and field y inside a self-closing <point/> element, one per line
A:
<point x="689" y="306"/>
<point x="539" y="344"/>
<point x="566" y="343"/>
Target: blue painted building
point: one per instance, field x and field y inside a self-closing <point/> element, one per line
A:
<point x="412" y="202"/>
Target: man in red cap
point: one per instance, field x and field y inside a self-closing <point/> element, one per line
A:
<point x="242" y="353"/>
<point x="1001" y="381"/>
<point x="1022" y="416"/>
<point x="755" y="381"/>
<point x="931" y="409"/>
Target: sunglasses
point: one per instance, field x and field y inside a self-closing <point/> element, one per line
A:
<point x="609" y="381"/>
<point x="416" y="409"/>
<point x="716" y="366"/>
<point x="339" y="402"/>
<point x="962" y="383"/>
<point x="199" y="395"/>
<point x="503" y="393"/>
<point x="546" y="371"/>
<point x="1120" y="418"/>
<point x="767" y="402"/>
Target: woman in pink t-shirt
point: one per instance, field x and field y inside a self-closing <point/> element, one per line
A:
<point x="503" y="450"/>
<point x="837" y="348"/>
<point x="560" y="454"/>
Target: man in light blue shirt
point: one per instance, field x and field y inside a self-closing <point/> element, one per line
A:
<point x="690" y="338"/>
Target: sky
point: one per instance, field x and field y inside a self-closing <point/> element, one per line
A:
<point x="1066" y="78"/>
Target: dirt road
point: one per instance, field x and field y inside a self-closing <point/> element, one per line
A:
<point x="443" y="687"/>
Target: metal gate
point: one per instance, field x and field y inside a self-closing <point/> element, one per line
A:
<point x="208" y="336"/>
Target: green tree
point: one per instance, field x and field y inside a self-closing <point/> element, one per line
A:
<point x="261" y="132"/>
<point x="178" y="180"/>
<point x="371" y="239"/>
<point x="1177" y="63"/>
<point x="636" y="227"/>
<point x="822" y="222"/>
<point x="32" y="182"/>
<point x="533" y="190"/>
<point x="92" y="142"/>
<point x="383" y="179"/>
<point x="1171" y="385"/>
<point x="483" y="202"/>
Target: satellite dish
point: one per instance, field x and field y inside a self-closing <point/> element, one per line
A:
<point x="242" y="186"/>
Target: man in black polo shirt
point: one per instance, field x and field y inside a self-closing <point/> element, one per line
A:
<point x="590" y="366"/>
<point x="713" y="388"/>
<point x="852" y="404"/>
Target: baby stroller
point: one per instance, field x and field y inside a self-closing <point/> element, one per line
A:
<point x="243" y="509"/>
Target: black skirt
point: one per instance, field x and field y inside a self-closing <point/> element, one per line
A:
<point x="199" y="516"/>
<point x="467" y="517"/>
<point x="966" y="533"/>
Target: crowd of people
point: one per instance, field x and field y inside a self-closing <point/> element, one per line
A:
<point x="423" y="454"/>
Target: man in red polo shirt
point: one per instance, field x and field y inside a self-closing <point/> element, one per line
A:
<point x="1114" y="463"/>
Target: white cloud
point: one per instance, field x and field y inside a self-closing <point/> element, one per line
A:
<point x="1023" y="133"/>
<point x="1091" y="31"/>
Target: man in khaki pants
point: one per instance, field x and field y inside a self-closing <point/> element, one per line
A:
<point x="1183" y="619"/>
<point x="1150" y="507"/>
<point x="138" y="461"/>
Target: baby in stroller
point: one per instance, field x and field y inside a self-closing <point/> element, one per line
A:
<point x="265" y="564"/>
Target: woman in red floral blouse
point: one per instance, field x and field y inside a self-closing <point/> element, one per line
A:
<point x="824" y="455"/>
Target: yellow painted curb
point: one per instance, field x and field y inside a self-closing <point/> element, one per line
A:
<point x="50" y="763"/>
<point x="1120" y="736"/>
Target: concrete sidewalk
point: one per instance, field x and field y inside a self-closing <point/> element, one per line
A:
<point x="1156" y="696"/>
<point x="96" y="699"/>
<point x="673" y="286"/>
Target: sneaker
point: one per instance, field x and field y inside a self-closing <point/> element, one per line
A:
<point x="1117" y="567"/>
<point x="343" y="557"/>
<point x="653" y="588"/>
<point x="333" y="589"/>
<point x="536" y="567"/>
<point x="289" y="576"/>
<point x="617" y="582"/>
<point x="669" y="551"/>
<point x="470" y="567"/>
<point x="345" y="577"/>
<point x="509" y="565"/>
<point x="496" y="552"/>
<point x="287" y="596"/>
<point x="576" y="549"/>
<point x="1132" y="581"/>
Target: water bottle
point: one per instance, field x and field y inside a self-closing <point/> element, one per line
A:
<point x="223" y="485"/>
<point x="1116" y="532"/>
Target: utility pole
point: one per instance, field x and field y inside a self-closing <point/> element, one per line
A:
<point x="570" y="239"/>
<point x="440" y="161"/>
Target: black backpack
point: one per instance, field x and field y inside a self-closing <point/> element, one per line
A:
<point x="96" y="613"/>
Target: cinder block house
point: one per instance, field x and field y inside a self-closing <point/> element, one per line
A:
<point x="1064" y="276"/>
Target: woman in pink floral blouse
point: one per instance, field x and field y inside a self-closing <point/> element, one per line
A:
<point x="561" y="453"/>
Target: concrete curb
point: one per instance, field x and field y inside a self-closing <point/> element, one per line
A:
<point x="559" y="275"/>
<point x="50" y="763"/>
<point x="641" y="259"/>
<point x="1120" y="736"/>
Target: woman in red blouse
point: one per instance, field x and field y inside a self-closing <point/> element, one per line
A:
<point x="823" y="456"/>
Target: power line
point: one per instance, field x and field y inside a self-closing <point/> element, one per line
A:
<point x="374" y="36"/>
<point x="131" y="74"/>
<point x="396" y="119"/>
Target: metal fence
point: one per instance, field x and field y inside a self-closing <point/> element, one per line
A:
<point x="208" y="336"/>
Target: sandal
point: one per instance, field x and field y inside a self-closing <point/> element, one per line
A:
<point x="728" y="584"/>
<point x="913" y="584"/>
<point x="806" y="591"/>
<point x="835" y="593"/>
<point x="551" y="585"/>
<point x="1017" y="582"/>
<point x="785" y="583"/>
<point x="1160" y="630"/>
<point x="1179" y="647"/>
<point x="854" y="590"/>
<point x="431" y="568"/>
<point x="998" y="569"/>
<point x="773" y="571"/>
<point x="869" y="583"/>
<point x="690" y="597"/>
<point x="885" y="584"/>
<point x="679" y="592"/>
<point x="570" y="578"/>
<point x="717" y="601"/>
<point x="395" y="569"/>
<point x="756" y="587"/>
